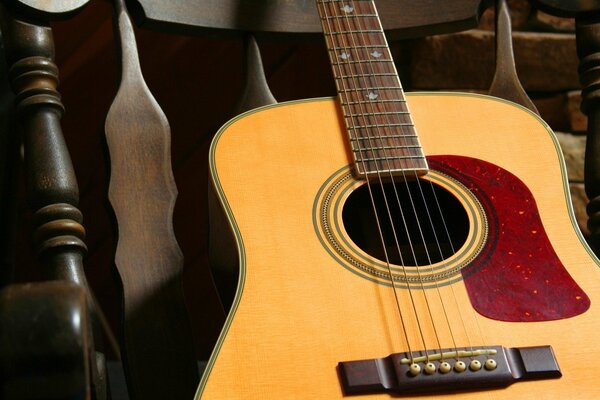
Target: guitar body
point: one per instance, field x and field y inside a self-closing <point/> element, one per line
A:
<point x="299" y="311"/>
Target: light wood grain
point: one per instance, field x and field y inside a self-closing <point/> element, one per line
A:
<point x="298" y="313"/>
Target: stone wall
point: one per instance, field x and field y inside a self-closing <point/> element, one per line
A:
<point x="546" y="61"/>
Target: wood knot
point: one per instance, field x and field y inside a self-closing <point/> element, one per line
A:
<point x="59" y="225"/>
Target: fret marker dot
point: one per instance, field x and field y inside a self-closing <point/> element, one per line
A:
<point x="345" y="56"/>
<point x="347" y="9"/>
<point x="376" y="54"/>
<point x="372" y="95"/>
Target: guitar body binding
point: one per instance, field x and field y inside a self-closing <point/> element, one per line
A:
<point x="297" y="312"/>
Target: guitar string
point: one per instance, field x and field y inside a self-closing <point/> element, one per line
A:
<point x="438" y="246"/>
<point x="497" y="5"/>
<point x="474" y="315"/>
<point x="436" y="238"/>
<point x="386" y="160"/>
<point x="433" y="230"/>
<point x="333" y="57"/>
<point x="385" y="48"/>
<point x="428" y="213"/>
<point x="388" y="209"/>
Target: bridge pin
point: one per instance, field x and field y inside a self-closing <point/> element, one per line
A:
<point x="490" y="365"/>
<point x="445" y="367"/>
<point x="460" y="366"/>
<point x="430" y="368"/>
<point x="414" y="369"/>
<point x="475" y="365"/>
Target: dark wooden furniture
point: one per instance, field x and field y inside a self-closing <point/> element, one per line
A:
<point x="148" y="257"/>
<point x="44" y="341"/>
<point x="156" y="339"/>
<point x="228" y="18"/>
<point x="587" y="17"/>
<point x="35" y="317"/>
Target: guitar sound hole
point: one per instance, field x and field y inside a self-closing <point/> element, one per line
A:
<point x="429" y="223"/>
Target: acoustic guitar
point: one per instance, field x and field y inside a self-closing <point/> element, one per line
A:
<point x="377" y="263"/>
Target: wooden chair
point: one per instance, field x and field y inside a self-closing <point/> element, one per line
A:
<point x="246" y="19"/>
<point x="47" y="339"/>
<point x="156" y="335"/>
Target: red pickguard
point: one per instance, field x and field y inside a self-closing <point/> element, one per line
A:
<point x="517" y="276"/>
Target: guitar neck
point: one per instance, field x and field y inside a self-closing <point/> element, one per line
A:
<point x="381" y="132"/>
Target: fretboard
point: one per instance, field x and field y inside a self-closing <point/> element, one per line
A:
<point x="380" y="129"/>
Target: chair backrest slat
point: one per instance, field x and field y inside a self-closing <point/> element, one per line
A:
<point x="400" y="18"/>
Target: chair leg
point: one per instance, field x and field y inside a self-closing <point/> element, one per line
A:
<point x="50" y="180"/>
<point x="9" y="172"/>
<point x="44" y="342"/>
<point x="588" y="48"/>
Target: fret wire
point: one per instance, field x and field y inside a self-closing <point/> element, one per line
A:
<point x="349" y="108"/>
<point x="354" y="127"/>
<point x="375" y="89"/>
<point x="373" y="75"/>
<point x="367" y="89"/>
<point x="414" y="146"/>
<point x="349" y="70"/>
<point x="394" y="150"/>
<point x="390" y="158"/>
<point x="354" y="139"/>
<point x="351" y="16"/>
<point x="365" y="46"/>
<point x="351" y="23"/>
<point x="394" y="115"/>
<point x="367" y="61"/>
<point x="380" y="151"/>
<point x="338" y="41"/>
<point x="352" y="32"/>
<point x="399" y="114"/>
<point x="377" y="101"/>
<point x="403" y="138"/>
<point x="375" y="113"/>
<point x="335" y="49"/>
<point x="393" y="170"/>
<point x="388" y="109"/>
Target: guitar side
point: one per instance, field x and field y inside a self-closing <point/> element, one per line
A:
<point x="297" y="313"/>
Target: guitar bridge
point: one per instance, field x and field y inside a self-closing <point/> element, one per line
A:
<point x="448" y="370"/>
